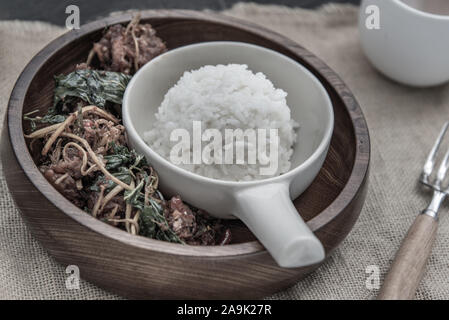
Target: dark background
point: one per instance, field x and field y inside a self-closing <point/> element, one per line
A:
<point x="54" y="10"/>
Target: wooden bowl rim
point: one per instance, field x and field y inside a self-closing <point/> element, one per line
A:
<point x="15" y="106"/>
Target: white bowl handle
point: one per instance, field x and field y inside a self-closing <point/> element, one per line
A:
<point x="269" y="213"/>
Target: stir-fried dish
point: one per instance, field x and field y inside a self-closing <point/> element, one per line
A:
<point x="81" y="146"/>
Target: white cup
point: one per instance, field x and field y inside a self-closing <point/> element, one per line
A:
<point x="265" y="206"/>
<point x="411" y="45"/>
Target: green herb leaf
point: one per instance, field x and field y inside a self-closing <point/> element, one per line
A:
<point x="94" y="87"/>
<point x="121" y="156"/>
<point x="154" y="225"/>
<point x="49" y="119"/>
<point x="132" y="197"/>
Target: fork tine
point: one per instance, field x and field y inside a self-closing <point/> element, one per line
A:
<point x="430" y="162"/>
<point x="442" y="170"/>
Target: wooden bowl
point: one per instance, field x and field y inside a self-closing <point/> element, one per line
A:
<point x="138" y="267"/>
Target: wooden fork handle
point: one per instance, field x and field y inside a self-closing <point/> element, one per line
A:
<point x="410" y="261"/>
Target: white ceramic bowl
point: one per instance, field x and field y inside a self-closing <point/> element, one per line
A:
<point x="265" y="206"/>
<point x="412" y="45"/>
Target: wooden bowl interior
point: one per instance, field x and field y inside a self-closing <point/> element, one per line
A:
<point x="182" y="31"/>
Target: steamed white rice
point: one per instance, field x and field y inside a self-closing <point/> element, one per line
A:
<point x="224" y="97"/>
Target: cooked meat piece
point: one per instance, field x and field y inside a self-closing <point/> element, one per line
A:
<point x="177" y="204"/>
<point x="117" y="52"/>
<point x="90" y="134"/>
<point x="66" y="186"/>
<point x="71" y="166"/>
<point x="181" y="219"/>
<point x="183" y="224"/>
<point x="99" y="133"/>
<point x="195" y="227"/>
<point x="117" y="201"/>
<point x="92" y="199"/>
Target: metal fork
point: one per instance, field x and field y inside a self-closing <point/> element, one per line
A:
<point x="410" y="262"/>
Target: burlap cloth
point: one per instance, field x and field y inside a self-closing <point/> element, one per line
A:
<point x="403" y="123"/>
